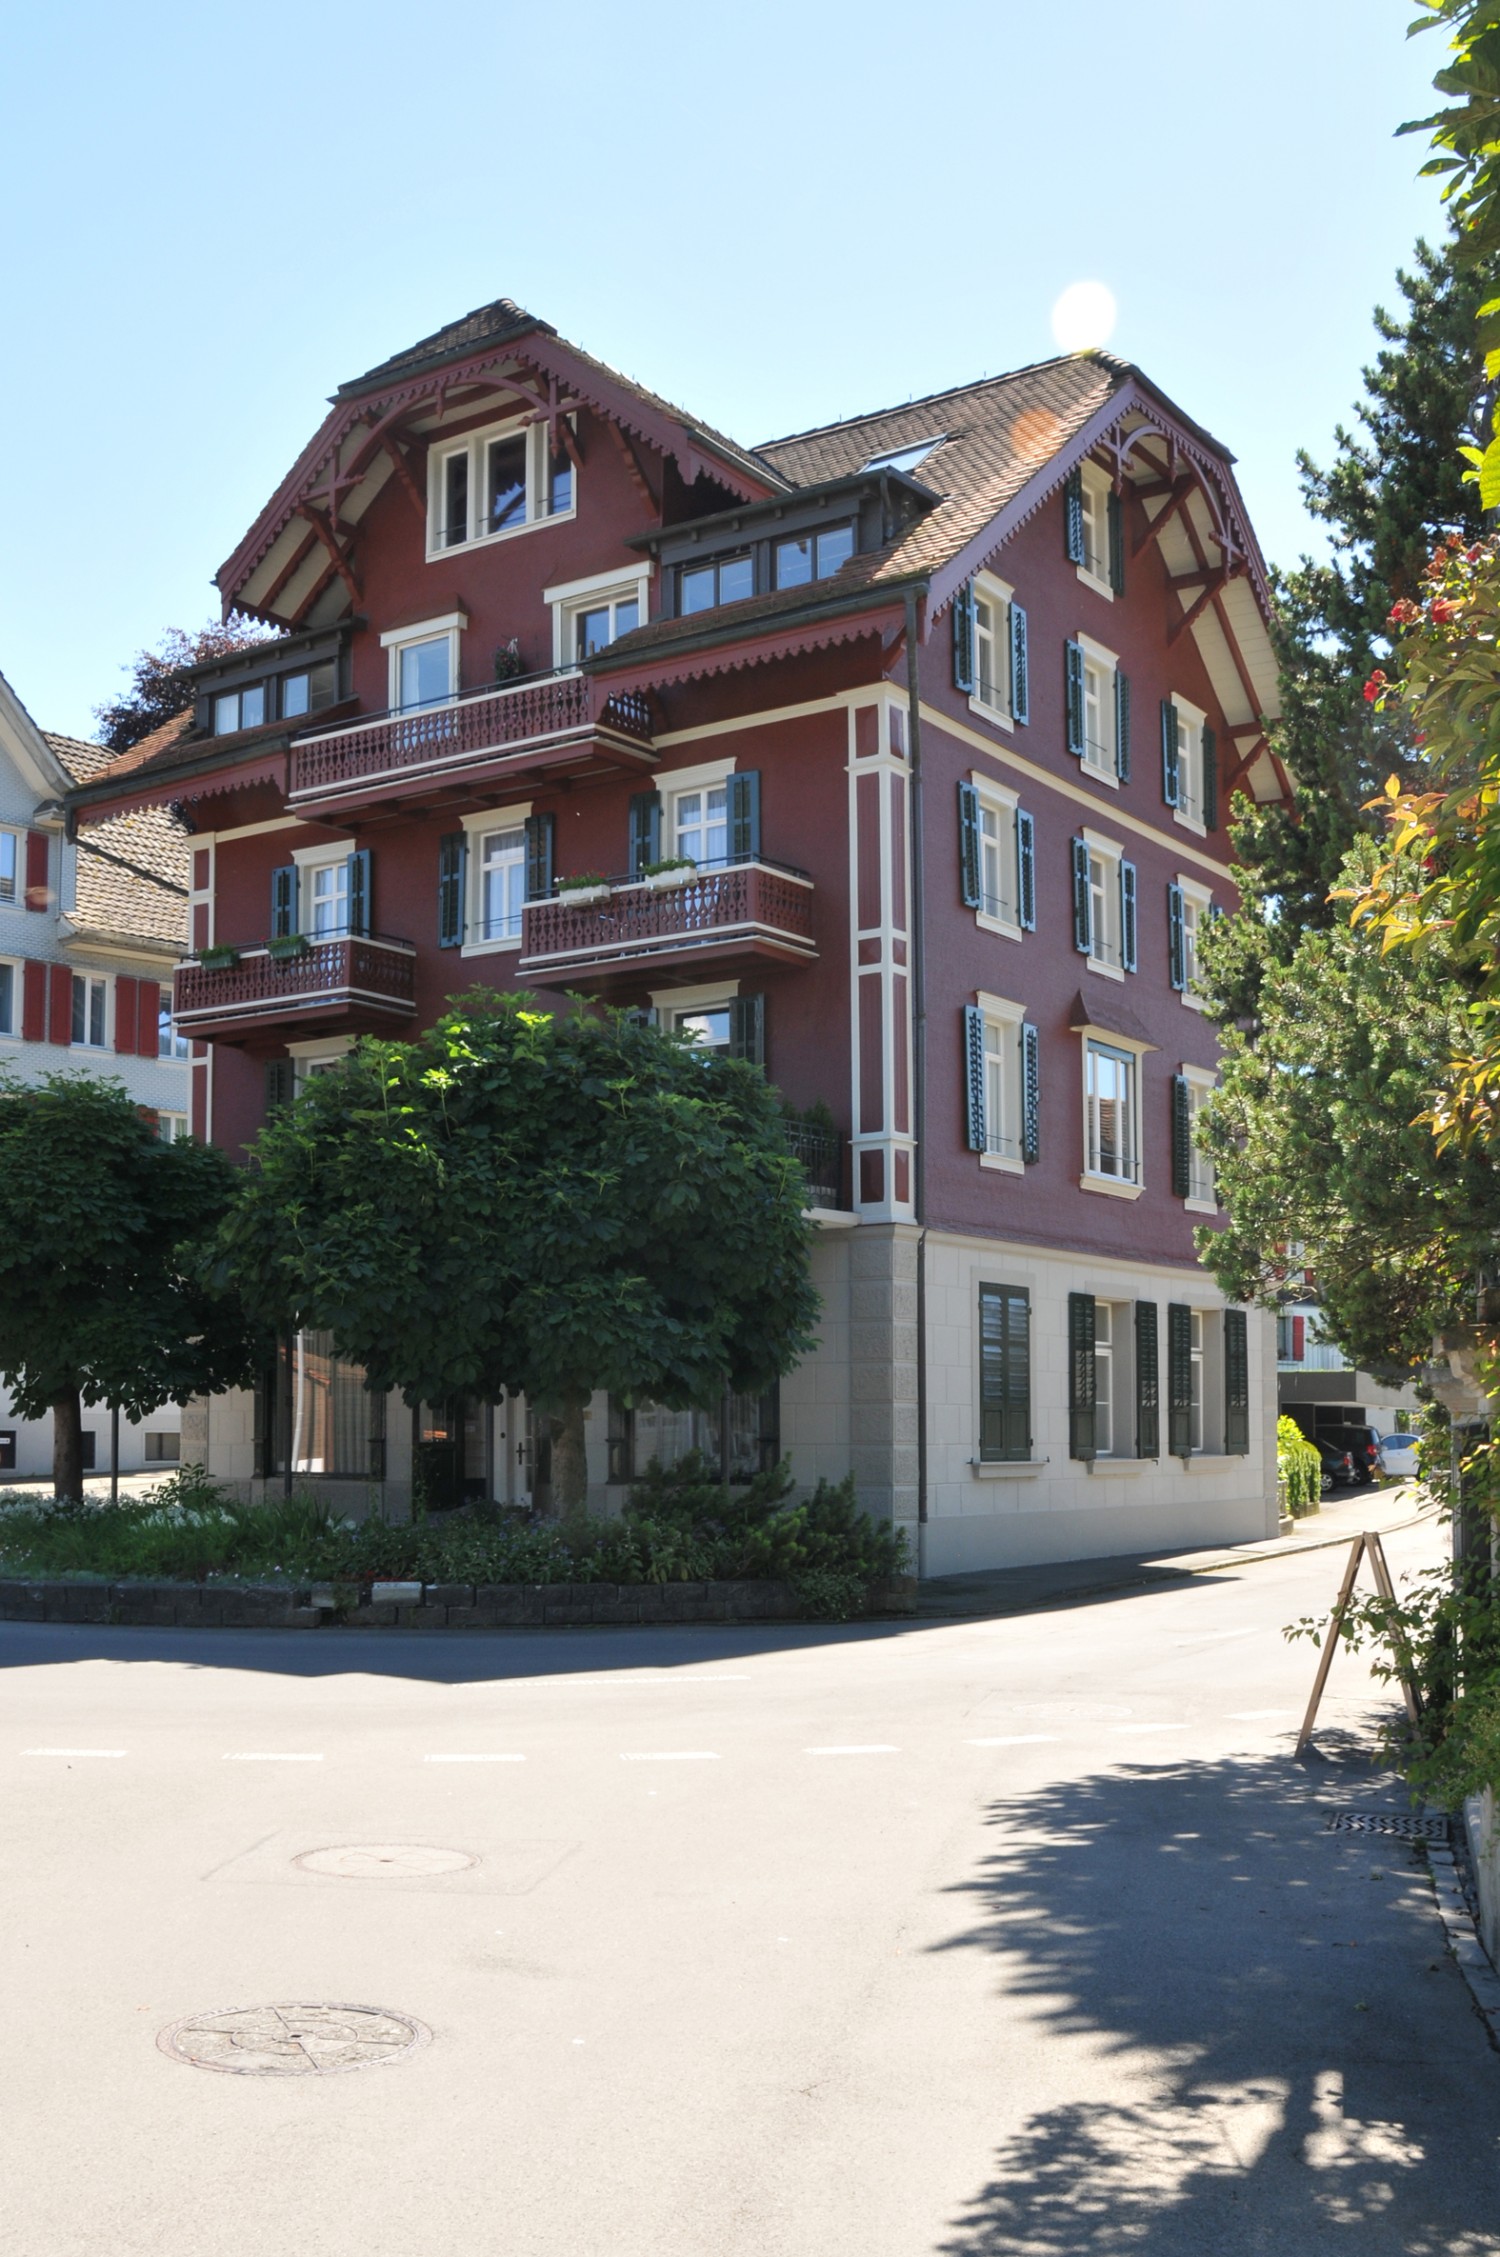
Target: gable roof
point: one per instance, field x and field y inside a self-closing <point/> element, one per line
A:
<point x="131" y="874"/>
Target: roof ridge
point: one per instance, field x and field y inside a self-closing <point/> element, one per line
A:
<point x="950" y="392"/>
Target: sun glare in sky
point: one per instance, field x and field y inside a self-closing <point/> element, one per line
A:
<point x="1083" y="316"/>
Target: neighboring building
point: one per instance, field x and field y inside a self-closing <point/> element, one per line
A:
<point x="1319" y="1387"/>
<point x="89" y="934"/>
<point x="946" y="705"/>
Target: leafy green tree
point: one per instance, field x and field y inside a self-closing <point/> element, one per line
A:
<point x="540" y="1204"/>
<point x="103" y="1230"/>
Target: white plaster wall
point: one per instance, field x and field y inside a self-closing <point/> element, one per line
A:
<point x="815" y="1408"/>
<point x="34" y="1442"/>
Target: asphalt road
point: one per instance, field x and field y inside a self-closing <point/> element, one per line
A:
<point x="985" y="1938"/>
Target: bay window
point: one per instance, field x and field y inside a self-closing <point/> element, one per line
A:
<point x="1111" y="1107"/>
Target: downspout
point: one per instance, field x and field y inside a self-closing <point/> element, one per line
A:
<point x="919" y="1046"/>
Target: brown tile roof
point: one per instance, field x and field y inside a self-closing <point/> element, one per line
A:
<point x="131" y="879"/>
<point x="486" y="325"/>
<point x="148" y="753"/>
<point x="174" y="745"/>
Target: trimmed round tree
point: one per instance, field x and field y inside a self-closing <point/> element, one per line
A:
<point x="105" y="1234"/>
<point x="534" y="1203"/>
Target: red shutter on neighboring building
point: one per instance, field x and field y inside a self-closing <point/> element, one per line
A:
<point x="36" y="870"/>
<point x="125" y="1014"/>
<point x="33" y="1002"/>
<point x="148" y="1010"/>
<point x="1299" y="1339"/>
<point x="59" y="1003"/>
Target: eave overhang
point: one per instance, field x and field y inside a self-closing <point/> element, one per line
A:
<point x="872" y="611"/>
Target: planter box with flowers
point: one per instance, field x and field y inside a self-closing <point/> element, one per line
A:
<point x="579" y="891"/>
<point x="286" y="946"/>
<point x="662" y="877"/>
<point x="221" y="957"/>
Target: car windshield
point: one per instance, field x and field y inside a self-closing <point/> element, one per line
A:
<point x="1399" y="1442"/>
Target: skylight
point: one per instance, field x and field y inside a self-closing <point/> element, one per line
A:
<point x="904" y="458"/>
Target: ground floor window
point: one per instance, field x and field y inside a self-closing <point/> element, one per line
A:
<point x="641" y="1432"/>
<point x="163" y="1449"/>
<point x="1004" y="1373"/>
<point x="451" y="1452"/>
<point x="319" y="1403"/>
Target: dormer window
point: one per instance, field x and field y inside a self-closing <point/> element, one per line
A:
<point x="240" y="709"/>
<point x="308" y="692"/>
<point x="720" y="579"/>
<point x="493" y="483"/>
<point x="806" y="557"/>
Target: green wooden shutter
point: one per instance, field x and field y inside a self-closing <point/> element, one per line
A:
<point x="1122" y="726"/>
<point x="284" y="901"/>
<point x="968" y="845"/>
<point x="744" y="815"/>
<point x="1171" y="777"/>
<point x="1073" y="517"/>
<point x="1026" y="870"/>
<point x="1116" y="544"/>
<point x="1179" y="1380"/>
<point x="361" y="892"/>
<point x="1073" y="692"/>
<point x="541" y="851"/>
<point x="281" y="1085"/>
<point x="963" y="639"/>
<point x="974" y="1076"/>
<point x="1236" y="1384"/>
<point x="1083" y="908"/>
<point x="1031" y="1095"/>
<point x="1182" y="1137"/>
<point x="645" y="830"/>
<point x="452" y="863"/>
<point x="1004" y="1374"/>
<point x="1020" y="671"/>
<point x="1210" y="779"/>
<point x="747" y="1029"/>
<point x="1082" y="1435"/>
<point x="1147" y="1382"/>
<point x="1127" y="916"/>
<point x="1176" y="938"/>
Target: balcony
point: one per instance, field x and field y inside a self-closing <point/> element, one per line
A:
<point x="821" y="1152"/>
<point x="357" y="984"/>
<point x="546" y="726"/>
<point x="747" y="911"/>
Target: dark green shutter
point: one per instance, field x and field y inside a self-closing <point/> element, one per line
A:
<point x="968" y="845"/>
<point x="963" y="639"/>
<point x="974" y="1076"/>
<point x="1236" y="1384"/>
<point x="1020" y="674"/>
<point x="1031" y="1095"/>
<point x="1182" y="1137"/>
<point x="1171" y="779"/>
<point x="284" y="901"/>
<point x="747" y="1029"/>
<point x="1073" y="517"/>
<point x="361" y="893"/>
<point x="1083" y="908"/>
<point x="1147" y="1382"/>
<point x="1082" y="1435"/>
<point x="1116" y="544"/>
<point x="645" y="830"/>
<point x="1073" y="691"/>
<point x="744" y="815"/>
<point x="452" y="861"/>
<point x="1122" y="726"/>
<point x="541" y="849"/>
<point x="1026" y="870"/>
<point x="1004" y="1374"/>
<point x="1176" y="938"/>
<point x="281" y="1085"/>
<point x="1179" y="1380"/>
<point x="1127" y="916"/>
<point x="1210" y="779"/>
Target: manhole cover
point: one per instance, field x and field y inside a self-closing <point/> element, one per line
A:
<point x="1402" y="1824"/>
<point x="385" y="1861"/>
<point x="292" y="2041"/>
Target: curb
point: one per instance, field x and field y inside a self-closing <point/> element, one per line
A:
<point x="1462" y="1935"/>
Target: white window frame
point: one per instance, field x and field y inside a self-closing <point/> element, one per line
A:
<point x="316" y="1056"/>
<point x="1107" y="854"/>
<point x="309" y="860"/>
<point x="1105" y="665"/>
<point x="477" y="828"/>
<point x="999" y="594"/>
<point x="1113" y="1187"/>
<point x="671" y="786"/>
<point x="172" y="1127"/>
<point x="17" y="898"/>
<point x="397" y="639"/>
<point x="102" y="981"/>
<point x="475" y="445"/>
<point x="1202" y="1198"/>
<point x="15" y="967"/>
<point x="672" y="1004"/>
<point x="1113" y="1342"/>
<point x="1191" y="720"/>
<point x="1094" y="484"/>
<point x="179" y="1046"/>
<point x="999" y="801"/>
<point x="1003" y="1020"/>
<point x="1197" y="901"/>
<point x="571" y="597"/>
<point x="1197" y="1378"/>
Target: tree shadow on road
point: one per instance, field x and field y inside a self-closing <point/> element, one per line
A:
<point x="1260" y="2053"/>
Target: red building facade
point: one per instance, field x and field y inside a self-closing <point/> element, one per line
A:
<point x="895" y="756"/>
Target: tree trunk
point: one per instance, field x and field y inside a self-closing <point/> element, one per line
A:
<point x="67" y="1446"/>
<point x="570" y="1472"/>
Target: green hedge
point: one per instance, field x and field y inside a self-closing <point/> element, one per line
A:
<point x="1300" y="1467"/>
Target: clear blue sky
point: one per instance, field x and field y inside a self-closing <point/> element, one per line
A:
<point x="209" y="217"/>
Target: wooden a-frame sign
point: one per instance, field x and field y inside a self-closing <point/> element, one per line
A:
<point x="1367" y="1546"/>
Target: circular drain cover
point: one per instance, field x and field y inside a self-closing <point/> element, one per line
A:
<point x="384" y="1861"/>
<point x="292" y="2041"/>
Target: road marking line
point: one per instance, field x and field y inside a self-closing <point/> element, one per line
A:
<point x="1015" y="1740"/>
<point x="1150" y="1727"/>
<point x="473" y="1759"/>
<point x="70" y="1752"/>
<point x="877" y="1747"/>
<point x="274" y="1758"/>
<point x="673" y="1755"/>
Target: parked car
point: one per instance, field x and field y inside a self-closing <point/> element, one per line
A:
<point x="1362" y="1444"/>
<point x="1398" y="1455"/>
<point x="1338" y="1464"/>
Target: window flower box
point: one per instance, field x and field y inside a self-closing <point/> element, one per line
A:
<point x="663" y="877"/>
<point x="219" y="958"/>
<point x="586" y="887"/>
<point x="286" y="946"/>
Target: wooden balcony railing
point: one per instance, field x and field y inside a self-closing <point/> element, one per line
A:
<point x="759" y="906"/>
<point x="354" y="977"/>
<point x="460" y="732"/>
